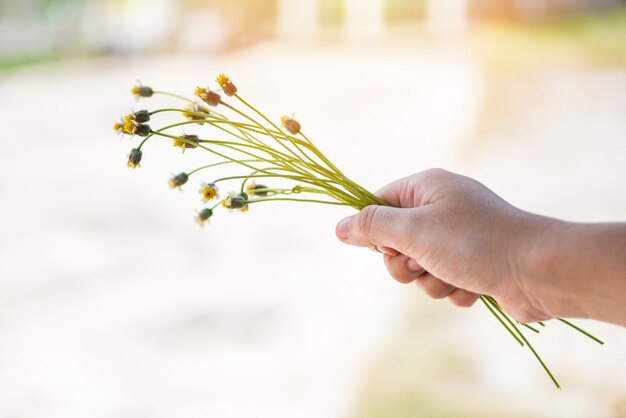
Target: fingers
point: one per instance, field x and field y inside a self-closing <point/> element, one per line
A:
<point x="434" y="287"/>
<point x="380" y="227"/>
<point x="463" y="298"/>
<point x="402" y="268"/>
<point x="405" y="270"/>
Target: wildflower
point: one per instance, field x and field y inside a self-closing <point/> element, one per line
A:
<point x="187" y="141"/>
<point x="178" y="180"/>
<point x="134" y="158"/>
<point x="236" y="201"/>
<point x="292" y="125"/>
<point x="208" y="191"/>
<point x="192" y="110"/>
<point x="204" y="216"/>
<point x="224" y="81"/>
<point x="254" y="189"/>
<point x="140" y="91"/>
<point x="210" y="97"/>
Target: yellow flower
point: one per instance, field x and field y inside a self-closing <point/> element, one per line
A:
<point x="224" y="82"/>
<point x="186" y="141"/>
<point x="209" y="191"/>
<point x="292" y="125"/>
<point x="208" y="96"/>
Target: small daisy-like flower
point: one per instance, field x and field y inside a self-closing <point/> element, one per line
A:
<point x="203" y="216"/>
<point x="134" y="158"/>
<point x="140" y="91"/>
<point x="178" y="180"/>
<point x="224" y="81"/>
<point x="209" y="191"/>
<point x="191" y="112"/>
<point x="254" y="189"/>
<point x="292" y="125"/>
<point x="236" y="201"/>
<point x="208" y="96"/>
<point x="187" y="141"/>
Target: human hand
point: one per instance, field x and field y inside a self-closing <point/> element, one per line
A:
<point x="456" y="239"/>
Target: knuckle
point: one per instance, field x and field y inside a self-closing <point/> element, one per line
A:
<point x="366" y="219"/>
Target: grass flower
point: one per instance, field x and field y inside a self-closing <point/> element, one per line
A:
<point x="186" y="141"/>
<point x="195" y="111"/>
<point x="134" y="158"/>
<point x="254" y="189"/>
<point x="292" y="125"/>
<point x="203" y="216"/>
<point x="140" y="91"/>
<point x="236" y="201"/>
<point x="208" y="96"/>
<point x="178" y="180"/>
<point x="209" y="191"/>
<point x="242" y="136"/>
<point x="227" y="86"/>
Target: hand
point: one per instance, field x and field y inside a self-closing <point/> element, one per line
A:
<point x="455" y="238"/>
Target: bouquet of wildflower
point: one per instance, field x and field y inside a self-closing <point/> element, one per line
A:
<point x="266" y="151"/>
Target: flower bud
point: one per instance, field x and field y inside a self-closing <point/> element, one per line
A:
<point x="141" y="91"/>
<point x="292" y="125"/>
<point x="224" y="82"/>
<point x="254" y="189"/>
<point x="187" y="141"/>
<point x="209" y="97"/>
<point x="178" y="180"/>
<point x="141" y="116"/>
<point x="204" y="216"/>
<point x="143" y="130"/>
<point x="134" y="158"/>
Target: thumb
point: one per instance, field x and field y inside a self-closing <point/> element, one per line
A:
<point x="378" y="227"/>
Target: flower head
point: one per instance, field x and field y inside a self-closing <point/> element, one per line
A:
<point x="292" y="125"/>
<point x="224" y="82"/>
<point x="192" y="110"/>
<point x="187" y="141"/>
<point x="209" y="191"/>
<point x="208" y="96"/>
<point x="134" y="158"/>
<point x="254" y="189"/>
<point x="236" y="201"/>
<point x="140" y="91"/>
<point x="131" y="124"/>
<point x="178" y="180"/>
<point x="204" y="216"/>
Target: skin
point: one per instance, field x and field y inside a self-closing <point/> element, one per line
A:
<point x="457" y="239"/>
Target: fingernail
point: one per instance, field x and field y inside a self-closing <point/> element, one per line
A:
<point x="343" y="228"/>
<point x="413" y="266"/>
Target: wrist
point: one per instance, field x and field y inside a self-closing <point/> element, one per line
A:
<point x="550" y="269"/>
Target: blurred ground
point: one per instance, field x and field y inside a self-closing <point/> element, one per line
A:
<point x="114" y="304"/>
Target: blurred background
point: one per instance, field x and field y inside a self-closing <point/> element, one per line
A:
<point x="113" y="303"/>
